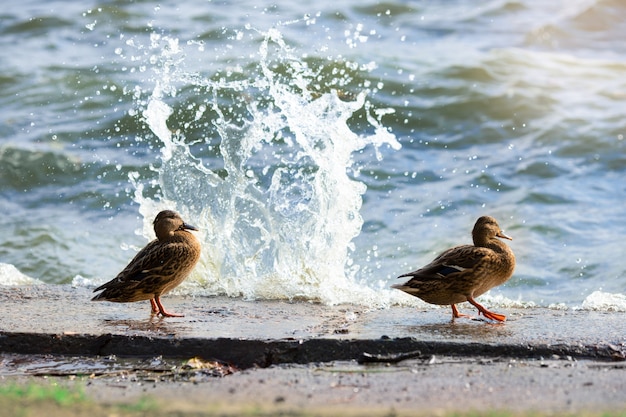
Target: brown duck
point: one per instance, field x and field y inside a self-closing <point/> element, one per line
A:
<point x="464" y="272"/>
<point x="159" y="267"/>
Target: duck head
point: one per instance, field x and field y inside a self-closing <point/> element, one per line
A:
<point x="487" y="229"/>
<point x="167" y="222"/>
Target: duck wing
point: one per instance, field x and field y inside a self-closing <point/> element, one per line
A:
<point x="155" y="260"/>
<point x="450" y="262"/>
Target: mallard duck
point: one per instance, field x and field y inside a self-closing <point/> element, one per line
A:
<point x="159" y="267"/>
<point x="464" y="272"/>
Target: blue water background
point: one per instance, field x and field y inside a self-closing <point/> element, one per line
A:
<point x="508" y="108"/>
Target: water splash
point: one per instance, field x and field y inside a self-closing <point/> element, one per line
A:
<point x="279" y="205"/>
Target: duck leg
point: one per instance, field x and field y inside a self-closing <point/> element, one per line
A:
<point x="155" y="309"/>
<point x="489" y="314"/>
<point x="455" y="312"/>
<point x="157" y="301"/>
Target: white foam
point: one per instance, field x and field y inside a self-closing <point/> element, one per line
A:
<point x="499" y="300"/>
<point x="10" y="275"/>
<point x="604" y="301"/>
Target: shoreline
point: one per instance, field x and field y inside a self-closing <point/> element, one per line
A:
<point x="305" y="357"/>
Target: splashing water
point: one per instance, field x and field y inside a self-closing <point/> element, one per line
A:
<point x="278" y="218"/>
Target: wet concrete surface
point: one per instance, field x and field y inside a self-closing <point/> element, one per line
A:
<point x="62" y="320"/>
<point x="304" y="355"/>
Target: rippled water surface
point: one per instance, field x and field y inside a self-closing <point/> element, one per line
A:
<point x="323" y="150"/>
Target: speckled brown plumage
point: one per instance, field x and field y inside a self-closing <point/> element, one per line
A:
<point x="159" y="267"/>
<point x="464" y="272"/>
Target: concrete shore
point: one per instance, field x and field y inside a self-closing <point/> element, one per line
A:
<point x="308" y="356"/>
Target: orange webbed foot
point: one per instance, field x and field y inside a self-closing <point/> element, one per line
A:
<point x="157" y="308"/>
<point x="456" y="314"/>
<point x="165" y="313"/>
<point x="488" y="314"/>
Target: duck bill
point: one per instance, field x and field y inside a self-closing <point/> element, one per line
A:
<point x="188" y="226"/>
<point x="503" y="236"/>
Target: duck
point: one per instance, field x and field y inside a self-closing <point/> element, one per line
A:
<point x="159" y="267"/>
<point x="464" y="272"/>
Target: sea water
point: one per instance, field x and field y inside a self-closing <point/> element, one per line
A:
<point x="322" y="150"/>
